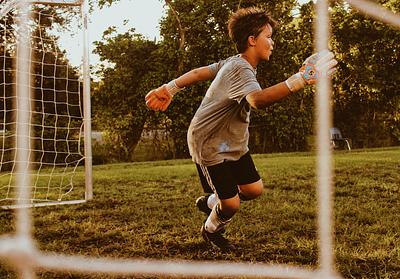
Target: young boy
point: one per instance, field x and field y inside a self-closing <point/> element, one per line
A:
<point x="218" y="134"/>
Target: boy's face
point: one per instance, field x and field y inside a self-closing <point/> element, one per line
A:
<point x="264" y="43"/>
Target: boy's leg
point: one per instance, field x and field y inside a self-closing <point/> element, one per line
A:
<point x="214" y="227"/>
<point x="207" y="202"/>
<point x="251" y="191"/>
<point x="203" y="180"/>
<point x="221" y="179"/>
<point x="225" y="186"/>
<point x="232" y="181"/>
<point x="249" y="181"/>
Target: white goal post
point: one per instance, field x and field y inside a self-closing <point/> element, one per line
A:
<point x="19" y="249"/>
<point x="54" y="115"/>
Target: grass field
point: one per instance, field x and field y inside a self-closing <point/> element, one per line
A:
<point x="147" y="210"/>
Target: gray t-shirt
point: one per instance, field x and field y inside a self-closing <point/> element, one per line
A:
<point x="219" y="129"/>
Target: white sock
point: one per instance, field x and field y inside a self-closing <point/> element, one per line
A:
<point x="212" y="201"/>
<point x="214" y="223"/>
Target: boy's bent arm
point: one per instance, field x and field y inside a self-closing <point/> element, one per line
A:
<point x="268" y="96"/>
<point x="194" y="76"/>
<point x="160" y="98"/>
<point x="322" y="63"/>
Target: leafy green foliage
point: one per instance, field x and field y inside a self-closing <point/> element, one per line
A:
<point x="366" y="100"/>
<point x="366" y="96"/>
<point x="55" y="82"/>
<point x="58" y="91"/>
<point x="208" y="43"/>
<point x="118" y="99"/>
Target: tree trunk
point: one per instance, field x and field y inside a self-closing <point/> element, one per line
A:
<point x="182" y="38"/>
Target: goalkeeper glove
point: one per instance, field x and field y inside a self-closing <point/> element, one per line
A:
<point x="160" y="98"/>
<point x="313" y="67"/>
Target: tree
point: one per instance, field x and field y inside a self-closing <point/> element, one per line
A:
<point x="58" y="92"/>
<point x="194" y="33"/>
<point x="205" y="44"/>
<point x="366" y="96"/>
<point x="286" y="126"/>
<point x="53" y="95"/>
<point x="133" y="68"/>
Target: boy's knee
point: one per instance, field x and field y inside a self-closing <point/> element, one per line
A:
<point x="258" y="191"/>
<point x="251" y="191"/>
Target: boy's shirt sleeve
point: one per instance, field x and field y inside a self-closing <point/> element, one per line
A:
<point x="235" y="77"/>
<point x="215" y="67"/>
<point x="243" y="82"/>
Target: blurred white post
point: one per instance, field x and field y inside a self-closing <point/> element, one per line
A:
<point x="376" y="11"/>
<point x="324" y="156"/>
<point x="23" y="142"/>
<point x="86" y="105"/>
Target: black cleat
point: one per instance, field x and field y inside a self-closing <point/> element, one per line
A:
<point x="201" y="204"/>
<point x="218" y="240"/>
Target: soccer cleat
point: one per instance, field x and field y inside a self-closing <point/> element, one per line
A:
<point x="218" y="240"/>
<point x="201" y="204"/>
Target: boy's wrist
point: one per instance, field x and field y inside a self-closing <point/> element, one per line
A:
<point x="295" y="82"/>
<point x="173" y="88"/>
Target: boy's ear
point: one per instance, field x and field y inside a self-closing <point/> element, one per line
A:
<point x="251" y="41"/>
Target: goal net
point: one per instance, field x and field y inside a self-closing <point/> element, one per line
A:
<point x="57" y="116"/>
<point x="27" y="259"/>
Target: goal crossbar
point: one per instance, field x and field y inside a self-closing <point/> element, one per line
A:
<point x="7" y="6"/>
<point x="149" y="267"/>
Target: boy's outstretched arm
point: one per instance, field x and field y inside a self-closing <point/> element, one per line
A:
<point x="160" y="98"/>
<point x="313" y="67"/>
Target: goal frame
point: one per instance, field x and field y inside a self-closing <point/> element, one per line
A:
<point x="85" y="81"/>
<point x="22" y="253"/>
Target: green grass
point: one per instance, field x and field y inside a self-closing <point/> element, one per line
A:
<point x="147" y="210"/>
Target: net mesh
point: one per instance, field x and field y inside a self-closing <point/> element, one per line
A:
<point x="19" y="249"/>
<point x="56" y="116"/>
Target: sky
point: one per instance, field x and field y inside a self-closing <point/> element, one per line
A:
<point x="143" y="15"/>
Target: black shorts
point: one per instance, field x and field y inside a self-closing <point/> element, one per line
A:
<point x="225" y="177"/>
